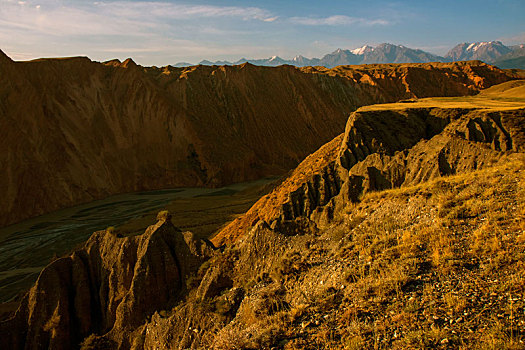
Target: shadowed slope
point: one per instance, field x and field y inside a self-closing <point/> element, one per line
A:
<point x="109" y="283"/>
<point x="391" y="145"/>
<point x="77" y="130"/>
<point x="356" y="235"/>
<point x="511" y="89"/>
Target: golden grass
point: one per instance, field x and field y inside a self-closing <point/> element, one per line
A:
<point x="437" y="265"/>
<point x="469" y="228"/>
<point x="506" y="96"/>
<point x="468" y="102"/>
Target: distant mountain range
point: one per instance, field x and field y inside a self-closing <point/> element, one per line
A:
<point x="514" y="59"/>
<point x="490" y="52"/>
<point x="483" y="51"/>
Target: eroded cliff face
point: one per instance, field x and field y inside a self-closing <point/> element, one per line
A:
<point x="383" y="149"/>
<point x="111" y="283"/>
<point x="304" y="251"/>
<point x="313" y="260"/>
<point x="77" y="130"/>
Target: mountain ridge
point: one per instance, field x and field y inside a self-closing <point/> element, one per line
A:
<point x="4" y="57"/>
<point x="486" y="51"/>
<point x="514" y="59"/>
<point x="138" y="128"/>
<point x="383" y="53"/>
<point x="413" y="190"/>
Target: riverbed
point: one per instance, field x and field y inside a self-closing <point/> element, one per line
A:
<point x="26" y="247"/>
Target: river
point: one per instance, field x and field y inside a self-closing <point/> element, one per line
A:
<point x="26" y="247"/>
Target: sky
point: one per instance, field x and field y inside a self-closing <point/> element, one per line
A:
<point x="165" y="32"/>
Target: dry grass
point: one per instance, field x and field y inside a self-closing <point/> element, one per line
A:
<point x="509" y="95"/>
<point x="438" y="262"/>
<point x="438" y="265"/>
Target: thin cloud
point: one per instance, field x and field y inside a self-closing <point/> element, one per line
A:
<point x="112" y="18"/>
<point x="338" y="20"/>
<point x="182" y="12"/>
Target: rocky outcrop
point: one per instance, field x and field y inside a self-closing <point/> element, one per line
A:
<point x="290" y="254"/>
<point x="278" y="203"/>
<point x="316" y="192"/>
<point x="468" y="140"/>
<point x="77" y="130"/>
<point x="387" y="132"/>
<point x="111" y="283"/>
<point x="316" y="286"/>
<point x="383" y="149"/>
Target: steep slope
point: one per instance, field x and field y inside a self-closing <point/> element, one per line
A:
<point x="77" y="130"/>
<point x="333" y="266"/>
<point x="329" y="258"/>
<point x="392" y="145"/>
<point x="381" y="149"/>
<point x="109" y="283"/>
<point x="438" y="265"/>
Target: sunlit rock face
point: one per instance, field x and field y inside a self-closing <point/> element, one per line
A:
<point x="75" y="130"/>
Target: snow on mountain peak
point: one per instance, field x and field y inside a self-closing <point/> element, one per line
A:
<point x="476" y="46"/>
<point x="471" y="46"/>
<point x="362" y="50"/>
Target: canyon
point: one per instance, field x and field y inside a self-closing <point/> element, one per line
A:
<point x="77" y="130"/>
<point x="364" y="243"/>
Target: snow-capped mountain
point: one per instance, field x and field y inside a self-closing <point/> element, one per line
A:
<point x="339" y="57"/>
<point x="386" y="53"/>
<point x="301" y="61"/>
<point x="362" y="50"/>
<point x="487" y="51"/>
<point x="272" y="61"/>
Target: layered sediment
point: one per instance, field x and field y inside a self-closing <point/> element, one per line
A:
<point x="326" y="253"/>
<point x="383" y="149"/>
<point x="111" y="283"/>
<point x="77" y="130"/>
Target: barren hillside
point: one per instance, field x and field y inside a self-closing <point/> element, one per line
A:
<point x="75" y="130"/>
<point x="404" y="232"/>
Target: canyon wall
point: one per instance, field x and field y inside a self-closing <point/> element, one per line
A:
<point x="74" y="130"/>
<point x="148" y="291"/>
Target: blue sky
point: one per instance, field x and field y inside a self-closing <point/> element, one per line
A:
<point x="166" y="32"/>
